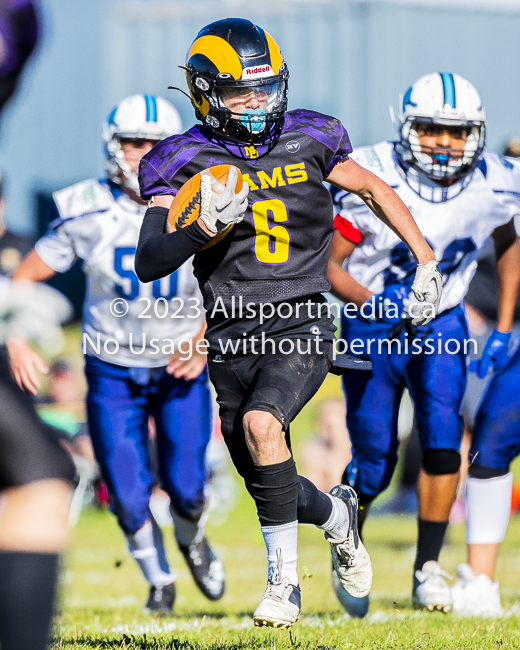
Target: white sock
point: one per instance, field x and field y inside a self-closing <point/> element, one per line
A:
<point x="158" y="542"/>
<point x="488" y="507"/>
<point x="142" y="547"/>
<point x="188" y="532"/>
<point x="338" y="522"/>
<point x="285" y="538"/>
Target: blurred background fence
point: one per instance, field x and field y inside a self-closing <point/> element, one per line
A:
<point x="348" y="58"/>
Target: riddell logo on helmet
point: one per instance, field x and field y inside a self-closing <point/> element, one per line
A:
<point x="257" y="72"/>
<point x="266" y="68"/>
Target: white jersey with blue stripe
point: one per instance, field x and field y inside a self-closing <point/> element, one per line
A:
<point x="99" y="224"/>
<point x="455" y="228"/>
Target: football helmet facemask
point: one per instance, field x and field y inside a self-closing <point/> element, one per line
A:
<point x="139" y="117"/>
<point x="441" y="100"/>
<point x="237" y="81"/>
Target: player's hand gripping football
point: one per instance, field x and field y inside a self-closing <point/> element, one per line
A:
<point x="427" y="288"/>
<point x="220" y="207"/>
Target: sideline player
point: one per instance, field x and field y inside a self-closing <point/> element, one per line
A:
<point x="129" y="379"/>
<point x="276" y="253"/>
<point x="35" y="472"/>
<point x="494" y="445"/>
<point x="459" y="197"/>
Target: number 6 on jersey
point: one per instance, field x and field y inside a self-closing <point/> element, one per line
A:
<point x="272" y="244"/>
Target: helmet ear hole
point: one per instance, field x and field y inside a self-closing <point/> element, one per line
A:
<point x="212" y="121"/>
<point x="201" y="83"/>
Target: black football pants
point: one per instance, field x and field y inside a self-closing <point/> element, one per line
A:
<point x="280" y="384"/>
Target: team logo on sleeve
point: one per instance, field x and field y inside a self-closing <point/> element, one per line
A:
<point x="293" y="146"/>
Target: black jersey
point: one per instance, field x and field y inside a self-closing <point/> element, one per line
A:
<point x="280" y="250"/>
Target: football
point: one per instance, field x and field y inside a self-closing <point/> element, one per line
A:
<point x="185" y="208"/>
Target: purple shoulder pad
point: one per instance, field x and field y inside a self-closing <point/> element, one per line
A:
<point x="158" y="167"/>
<point x="327" y="130"/>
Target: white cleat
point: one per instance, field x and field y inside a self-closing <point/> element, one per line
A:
<point x="281" y="604"/>
<point x="475" y="595"/>
<point x="354" y="607"/>
<point x="431" y="592"/>
<point x="350" y="559"/>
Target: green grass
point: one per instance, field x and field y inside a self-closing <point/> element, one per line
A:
<point x="103" y="593"/>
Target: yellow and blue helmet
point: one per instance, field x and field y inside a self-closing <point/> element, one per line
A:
<point x="237" y="81"/>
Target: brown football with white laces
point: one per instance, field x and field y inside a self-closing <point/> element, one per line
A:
<point x="185" y="208"/>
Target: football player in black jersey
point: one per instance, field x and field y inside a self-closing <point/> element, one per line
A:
<point x="270" y="337"/>
<point x="35" y="471"/>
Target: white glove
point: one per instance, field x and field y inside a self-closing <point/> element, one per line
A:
<point x="427" y="287"/>
<point x="220" y="207"/>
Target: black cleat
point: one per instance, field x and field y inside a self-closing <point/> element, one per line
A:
<point x="207" y="570"/>
<point x="160" y="600"/>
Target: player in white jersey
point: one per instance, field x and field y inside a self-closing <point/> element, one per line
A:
<point x="495" y="443"/>
<point x="459" y="196"/>
<point x="133" y="338"/>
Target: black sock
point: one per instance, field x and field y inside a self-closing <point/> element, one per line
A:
<point x="27" y="590"/>
<point x="363" y="509"/>
<point x="364" y="504"/>
<point x="429" y="542"/>
<point x="275" y="491"/>
<point x="314" y="506"/>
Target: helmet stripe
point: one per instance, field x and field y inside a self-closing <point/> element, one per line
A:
<point x="151" y="108"/>
<point x="449" y="89"/>
<point x="110" y="118"/>
<point x="407" y="99"/>
<point x="274" y="53"/>
<point x="219" y="52"/>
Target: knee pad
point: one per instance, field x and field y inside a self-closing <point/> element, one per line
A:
<point x="478" y="471"/>
<point x="441" y="461"/>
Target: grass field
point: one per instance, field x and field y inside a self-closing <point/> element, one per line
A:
<point x="103" y="593"/>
